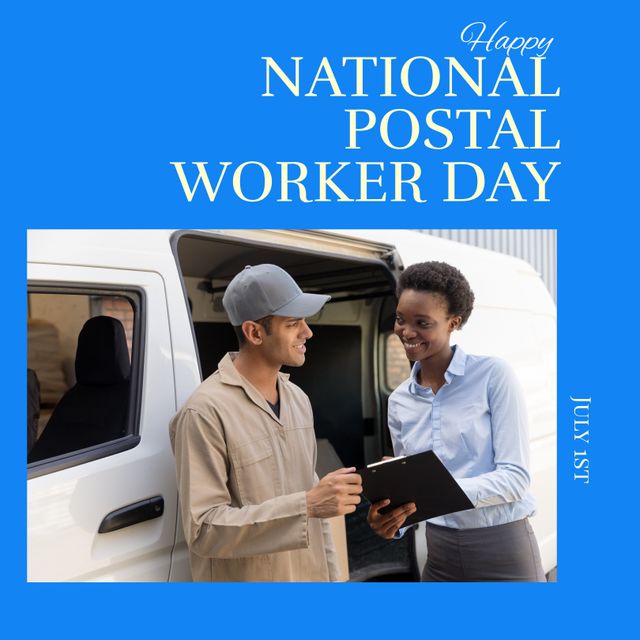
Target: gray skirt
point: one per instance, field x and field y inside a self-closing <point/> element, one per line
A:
<point x="502" y="553"/>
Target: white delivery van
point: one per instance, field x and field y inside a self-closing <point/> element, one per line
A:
<point x="147" y="306"/>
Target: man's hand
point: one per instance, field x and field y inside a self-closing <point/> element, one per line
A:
<point x="336" y="494"/>
<point x="387" y="525"/>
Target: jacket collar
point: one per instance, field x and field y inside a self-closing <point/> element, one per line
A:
<point x="231" y="376"/>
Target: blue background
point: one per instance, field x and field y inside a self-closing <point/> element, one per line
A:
<point x="100" y="97"/>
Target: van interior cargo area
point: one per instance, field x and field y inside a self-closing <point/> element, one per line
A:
<point x="342" y="372"/>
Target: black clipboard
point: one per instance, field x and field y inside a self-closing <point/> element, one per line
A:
<point x="421" y="479"/>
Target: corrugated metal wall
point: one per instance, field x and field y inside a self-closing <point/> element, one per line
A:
<point x="536" y="246"/>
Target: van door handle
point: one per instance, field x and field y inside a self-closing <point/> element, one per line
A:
<point x="133" y="514"/>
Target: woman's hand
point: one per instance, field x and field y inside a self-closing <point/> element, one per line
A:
<point x="387" y="525"/>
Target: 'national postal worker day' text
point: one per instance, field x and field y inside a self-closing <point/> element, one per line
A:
<point x="512" y="69"/>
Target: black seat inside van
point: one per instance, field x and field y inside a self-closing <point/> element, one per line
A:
<point x="95" y="409"/>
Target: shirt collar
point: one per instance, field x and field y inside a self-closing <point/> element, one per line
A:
<point x="456" y="368"/>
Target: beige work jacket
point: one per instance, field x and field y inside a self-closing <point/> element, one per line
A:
<point x="242" y="479"/>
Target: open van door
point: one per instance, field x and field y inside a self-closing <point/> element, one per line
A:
<point x="341" y="372"/>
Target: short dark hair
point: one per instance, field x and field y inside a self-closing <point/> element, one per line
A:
<point x="443" y="279"/>
<point x="265" y="322"/>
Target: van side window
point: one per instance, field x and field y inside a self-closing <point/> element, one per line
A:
<point x="397" y="367"/>
<point x="81" y="367"/>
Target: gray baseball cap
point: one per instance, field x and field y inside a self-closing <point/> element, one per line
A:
<point x="267" y="290"/>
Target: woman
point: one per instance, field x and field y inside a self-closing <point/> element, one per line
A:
<point x="470" y="410"/>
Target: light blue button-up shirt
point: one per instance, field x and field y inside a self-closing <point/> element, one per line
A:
<point x="477" y="425"/>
